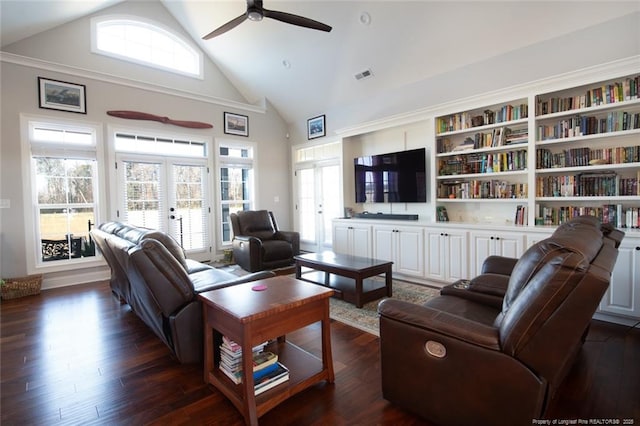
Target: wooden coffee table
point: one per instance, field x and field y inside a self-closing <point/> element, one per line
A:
<point x="251" y="317"/>
<point x="347" y="275"/>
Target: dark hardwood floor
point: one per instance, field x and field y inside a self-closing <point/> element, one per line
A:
<point x="77" y="356"/>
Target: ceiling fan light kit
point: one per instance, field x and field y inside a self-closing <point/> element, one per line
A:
<point x="256" y="12"/>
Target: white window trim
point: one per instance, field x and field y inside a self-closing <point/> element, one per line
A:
<point x="94" y="44"/>
<point x="32" y="249"/>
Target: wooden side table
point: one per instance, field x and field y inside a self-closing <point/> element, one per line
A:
<point x="250" y="316"/>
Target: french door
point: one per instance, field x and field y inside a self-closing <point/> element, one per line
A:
<point x="318" y="203"/>
<point x="168" y="194"/>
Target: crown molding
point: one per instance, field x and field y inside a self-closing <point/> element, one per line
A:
<point x="580" y="77"/>
<point x="12" y="58"/>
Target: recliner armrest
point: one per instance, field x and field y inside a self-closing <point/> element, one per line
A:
<point x="261" y="275"/>
<point x="437" y="321"/>
<point x="291" y="236"/>
<point x="498" y="265"/>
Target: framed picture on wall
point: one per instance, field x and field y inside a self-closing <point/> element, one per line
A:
<point x="61" y="95"/>
<point x="316" y="127"/>
<point x="236" y="124"/>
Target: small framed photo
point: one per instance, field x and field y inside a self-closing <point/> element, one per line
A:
<point x="62" y="95"/>
<point x="316" y="127"/>
<point x="236" y="124"/>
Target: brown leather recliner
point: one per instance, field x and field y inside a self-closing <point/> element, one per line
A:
<point x="461" y="359"/>
<point x="258" y="244"/>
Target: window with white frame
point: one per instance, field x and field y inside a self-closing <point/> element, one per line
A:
<point x="140" y="41"/>
<point x="64" y="191"/>
<point x="236" y="177"/>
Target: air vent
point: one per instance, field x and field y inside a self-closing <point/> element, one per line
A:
<point x="364" y="74"/>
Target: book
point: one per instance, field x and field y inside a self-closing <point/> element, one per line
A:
<point x="236" y="375"/>
<point x="279" y="375"/>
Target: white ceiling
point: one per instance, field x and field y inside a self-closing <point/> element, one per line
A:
<point x="405" y="42"/>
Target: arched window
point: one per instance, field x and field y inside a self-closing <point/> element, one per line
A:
<point x="145" y="43"/>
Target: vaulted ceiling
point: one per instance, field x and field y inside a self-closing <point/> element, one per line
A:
<point x="305" y="72"/>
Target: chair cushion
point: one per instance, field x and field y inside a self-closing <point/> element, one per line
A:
<point x="276" y="250"/>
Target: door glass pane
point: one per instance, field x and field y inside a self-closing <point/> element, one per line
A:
<point x="330" y="200"/>
<point x="307" y="204"/>
<point x="143" y="196"/>
<point x="189" y="218"/>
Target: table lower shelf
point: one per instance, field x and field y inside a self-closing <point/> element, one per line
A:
<point x="345" y="288"/>
<point x="305" y="369"/>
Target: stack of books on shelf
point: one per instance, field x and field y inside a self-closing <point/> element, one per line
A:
<point x="267" y="371"/>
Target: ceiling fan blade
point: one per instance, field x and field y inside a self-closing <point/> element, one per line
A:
<point x="226" y="27"/>
<point x="300" y="21"/>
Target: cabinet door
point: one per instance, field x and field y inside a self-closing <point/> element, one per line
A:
<point x="383" y="243"/>
<point x="623" y="295"/>
<point x="456" y="263"/>
<point x="434" y="256"/>
<point x="341" y="238"/>
<point x="482" y="246"/>
<point x="485" y="244"/>
<point x="509" y="245"/>
<point x="409" y="251"/>
<point x="361" y="240"/>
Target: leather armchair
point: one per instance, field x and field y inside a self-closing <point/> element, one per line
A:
<point x="461" y="359"/>
<point x="258" y="244"/>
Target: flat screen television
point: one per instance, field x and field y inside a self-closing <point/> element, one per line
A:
<point x="396" y="177"/>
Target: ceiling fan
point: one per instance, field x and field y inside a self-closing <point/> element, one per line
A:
<point x="255" y="12"/>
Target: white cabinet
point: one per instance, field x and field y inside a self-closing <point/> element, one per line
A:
<point x="485" y="244"/>
<point x="352" y="238"/>
<point x="623" y="295"/>
<point x="446" y="254"/>
<point x="536" y="237"/>
<point x="403" y="245"/>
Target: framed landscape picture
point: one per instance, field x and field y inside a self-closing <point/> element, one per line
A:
<point x="236" y="124"/>
<point x="61" y="95"/>
<point x="316" y="127"/>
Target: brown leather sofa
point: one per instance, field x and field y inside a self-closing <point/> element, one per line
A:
<point x="493" y="350"/>
<point x="149" y="271"/>
<point x="258" y="244"/>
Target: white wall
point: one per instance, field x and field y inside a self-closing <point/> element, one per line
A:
<point x="607" y="42"/>
<point x="398" y="138"/>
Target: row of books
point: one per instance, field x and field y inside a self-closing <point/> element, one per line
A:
<point x="620" y="91"/>
<point x="614" y="121"/>
<point x="546" y="159"/>
<point x="267" y="371"/>
<point x="482" y="189"/>
<point x="466" y="120"/>
<point x="484" y="163"/>
<point x="606" y="184"/>
<point x="615" y="214"/>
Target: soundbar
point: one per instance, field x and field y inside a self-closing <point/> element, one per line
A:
<point x="366" y="215"/>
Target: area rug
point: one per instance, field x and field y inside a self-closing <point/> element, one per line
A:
<point x="366" y="318"/>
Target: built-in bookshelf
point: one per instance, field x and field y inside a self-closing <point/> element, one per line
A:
<point x="578" y="154"/>
<point x="588" y="152"/>
<point x="482" y="157"/>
